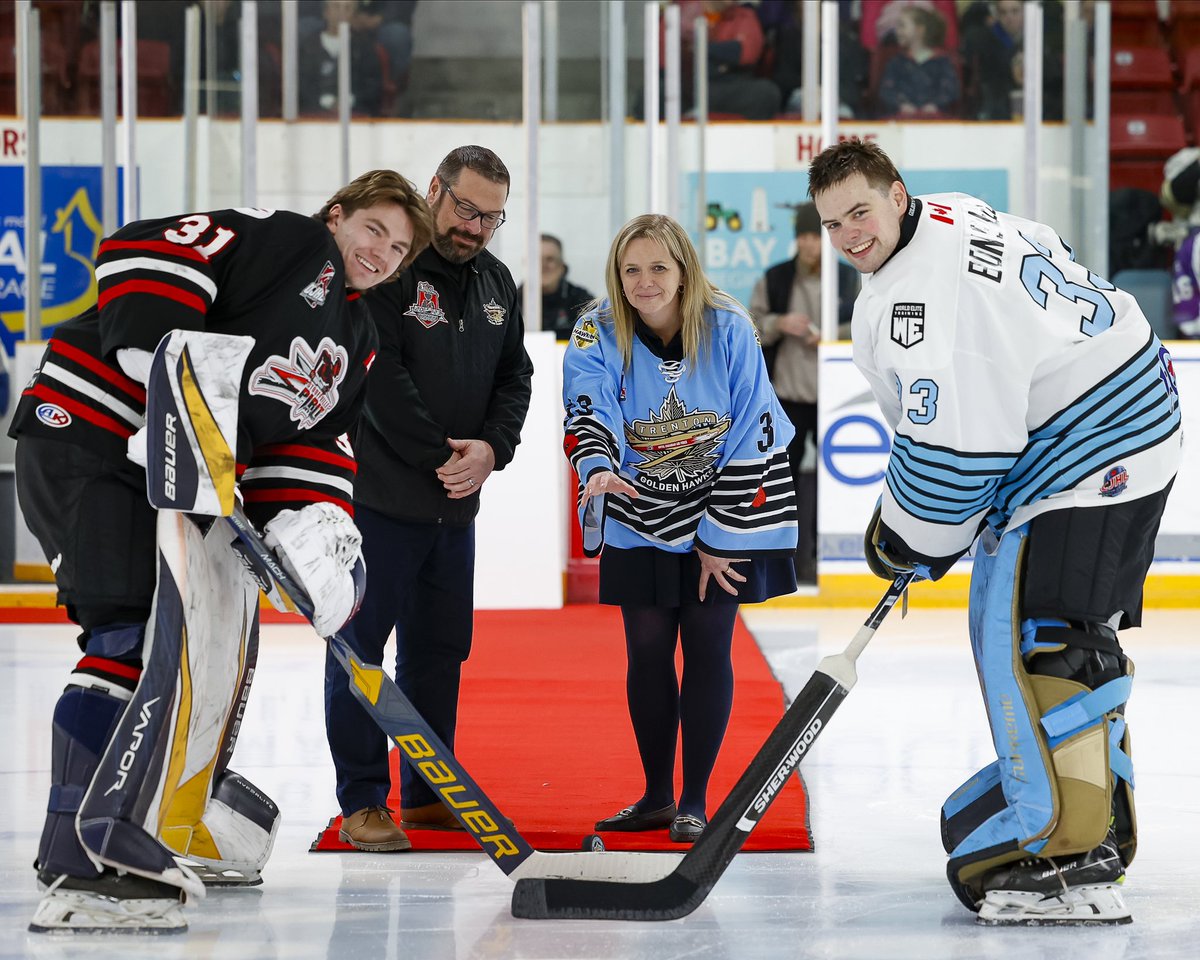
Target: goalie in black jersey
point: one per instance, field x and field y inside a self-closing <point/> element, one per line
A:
<point x="263" y="347"/>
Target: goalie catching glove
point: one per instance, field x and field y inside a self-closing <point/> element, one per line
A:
<point x="321" y="549"/>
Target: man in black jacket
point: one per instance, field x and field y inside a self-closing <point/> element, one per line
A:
<point x="562" y="301"/>
<point x="446" y="400"/>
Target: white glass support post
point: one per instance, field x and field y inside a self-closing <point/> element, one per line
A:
<point x="129" y="106"/>
<point x="1033" y="108"/>
<point x="30" y="69"/>
<point x="249" y="64"/>
<point x="673" y="103"/>
<point x="617" y="71"/>
<point x="701" y="71"/>
<point x="289" y="36"/>
<point x="550" y="60"/>
<point x="344" y="99"/>
<point x="1101" y="85"/>
<point x="829" y="135"/>
<point x="108" y="116"/>
<point x="531" y="97"/>
<point x="650" y="107"/>
<point x="191" y="102"/>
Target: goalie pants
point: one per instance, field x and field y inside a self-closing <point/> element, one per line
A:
<point x="420" y="580"/>
<point x="91" y="516"/>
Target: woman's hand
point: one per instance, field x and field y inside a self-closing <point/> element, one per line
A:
<point x="605" y="481"/>
<point x="721" y="570"/>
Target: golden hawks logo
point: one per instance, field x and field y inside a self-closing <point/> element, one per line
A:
<point x="494" y="313"/>
<point x="679" y="449"/>
<point x="584" y="334"/>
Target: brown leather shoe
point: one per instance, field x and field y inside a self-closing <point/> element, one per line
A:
<point x="431" y="816"/>
<point x="372" y="828"/>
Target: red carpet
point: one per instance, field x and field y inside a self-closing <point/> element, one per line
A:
<point x="544" y="730"/>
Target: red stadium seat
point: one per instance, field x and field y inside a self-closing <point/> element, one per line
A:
<point x="154" y="78"/>
<point x="1134" y="9"/>
<point x="1141" y="68"/>
<point x="1190" y="67"/>
<point x="1141" y="174"/>
<point x="1122" y="102"/>
<point x="1145" y="136"/>
<point x="1141" y="32"/>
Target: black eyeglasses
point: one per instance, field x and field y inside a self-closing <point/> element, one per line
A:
<point x="465" y="211"/>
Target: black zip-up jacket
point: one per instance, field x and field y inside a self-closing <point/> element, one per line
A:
<point x="451" y="363"/>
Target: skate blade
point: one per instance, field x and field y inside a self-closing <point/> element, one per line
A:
<point x="1098" y="904"/>
<point x="70" y="913"/>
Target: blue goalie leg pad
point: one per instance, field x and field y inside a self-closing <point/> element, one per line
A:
<point x="84" y="720"/>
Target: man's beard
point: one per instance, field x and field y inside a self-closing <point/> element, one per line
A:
<point x="444" y="244"/>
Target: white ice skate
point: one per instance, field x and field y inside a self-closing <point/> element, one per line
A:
<point x="110" y="904"/>
<point x="1100" y="903"/>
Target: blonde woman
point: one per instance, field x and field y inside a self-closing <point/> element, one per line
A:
<point x="681" y="449"/>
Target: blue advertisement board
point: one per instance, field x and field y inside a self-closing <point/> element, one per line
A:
<point x="748" y="216"/>
<point x="71" y="232"/>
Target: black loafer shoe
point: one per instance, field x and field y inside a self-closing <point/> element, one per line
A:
<point x="630" y="819"/>
<point x="686" y="828"/>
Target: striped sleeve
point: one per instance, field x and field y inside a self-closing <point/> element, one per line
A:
<point x="288" y="476"/>
<point x="751" y="507"/>
<point x="154" y="276"/>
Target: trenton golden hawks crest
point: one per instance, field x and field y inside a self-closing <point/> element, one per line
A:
<point x="494" y="313"/>
<point x="307" y="380"/>
<point x="679" y="449"/>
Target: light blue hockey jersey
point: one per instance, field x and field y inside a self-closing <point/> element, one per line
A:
<point x="705" y="445"/>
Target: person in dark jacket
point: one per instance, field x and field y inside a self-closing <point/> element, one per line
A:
<point x="446" y="400"/>
<point x="562" y="301"/>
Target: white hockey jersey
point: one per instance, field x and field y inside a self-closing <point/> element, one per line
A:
<point x="1016" y="381"/>
<point x="705" y="445"/>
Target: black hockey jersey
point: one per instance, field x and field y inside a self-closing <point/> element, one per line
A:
<point x="274" y="276"/>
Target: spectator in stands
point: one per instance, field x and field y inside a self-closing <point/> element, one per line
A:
<point x="1181" y="194"/>
<point x="786" y="307"/>
<point x="880" y="18"/>
<point x="919" y="81"/>
<point x="787" y="41"/>
<point x="562" y="301"/>
<point x="735" y="50"/>
<point x="993" y="50"/>
<point x="389" y="23"/>
<point x="319" y="65"/>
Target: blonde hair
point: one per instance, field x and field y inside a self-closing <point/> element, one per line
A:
<point x="698" y="293"/>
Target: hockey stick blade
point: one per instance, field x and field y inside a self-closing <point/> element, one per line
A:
<point x="685" y="888"/>
<point x="400" y="721"/>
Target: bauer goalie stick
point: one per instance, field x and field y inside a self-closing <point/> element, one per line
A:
<point x="681" y="891"/>
<point x="395" y="715"/>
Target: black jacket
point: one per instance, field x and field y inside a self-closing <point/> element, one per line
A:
<point x="451" y="363"/>
<point x="562" y="307"/>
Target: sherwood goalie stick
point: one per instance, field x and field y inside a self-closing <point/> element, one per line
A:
<point x="395" y="715"/>
<point x="679" y="893"/>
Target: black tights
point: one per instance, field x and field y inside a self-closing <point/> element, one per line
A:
<point x="659" y="704"/>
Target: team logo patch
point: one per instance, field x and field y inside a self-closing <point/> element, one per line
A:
<point x="679" y="449"/>
<point x="1115" y="482"/>
<point x="428" y="309"/>
<point x="494" y="313"/>
<point x="52" y="415"/>
<point x="306" y="380"/>
<point x="316" y="292"/>
<point x="908" y="324"/>
<point x="584" y="334"/>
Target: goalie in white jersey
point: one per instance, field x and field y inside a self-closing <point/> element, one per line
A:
<point x="1033" y="408"/>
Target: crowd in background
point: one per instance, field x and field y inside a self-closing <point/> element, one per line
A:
<point x="911" y="59"/>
